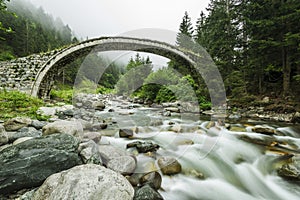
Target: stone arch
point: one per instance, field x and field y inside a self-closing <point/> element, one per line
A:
<point x="196" y="62"/>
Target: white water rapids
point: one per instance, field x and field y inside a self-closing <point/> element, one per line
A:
<point x="232" y="168"/>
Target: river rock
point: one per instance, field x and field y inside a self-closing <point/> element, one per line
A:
<point x="3" y="136"/>
<point x="95" y="136"/>
<point x="47" y="111"/>
<point x="172" y="109"/>
<point x="153" y="179"/>
<point x="15" y="124"/>
<point x="169" y="165"/>
<point x="29" y="163"/>
<point x="98" y="105"/>
<point x="125" y="133"/>
<point x="123" y="164"/>
<point x="263" y="130"/>
<point x="69" y="127"/>
<point x="24" y="132"/>
<point x="38" y="124"/>
<point x="296" y="118"/>
<point x="89" y="152"/>
<point x="289" y="171"/>
<point x="99" y="126"/>
<point x="89" y="181"/>
<point x="143" y="147"/>
<point x="147" y="193"/>
<point x="109" y="152"/>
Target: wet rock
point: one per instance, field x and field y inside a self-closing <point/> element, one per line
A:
<point x="166" y="113"/>
<point x="111" y="110"/>
<point x="172" y="109"/>
<point x="194" y="173"/>
<point x="69" y="127"/>
<point x="89" y="181"/>
<point x="109" y="152"/>
<point x="99" y="105"/>
<point x="38" y="124"/>
<point x="176" y="128"/>
<point x="147" y="193"/>
<point x="17" y="123"/>
<point x="289" y="171"/>
<point x="296" y="118"/>
<point x="125" y="133"/>
<point x="24" y="132"/>
<point x="237" y="129"/>
<point x="169" y="165"/>
<point x="143" y="147"/>
<point x="29" y="163"/>
<point x="95" y="136"/>
<point x="123" y="164"/>
<point x="3" y="136"/>
<point x="263" y="130"/>
<point x="99" y="126"/>
<point x="153" y="179"/>
<point x="89" y="153"/>
<point x="134" y="179"/>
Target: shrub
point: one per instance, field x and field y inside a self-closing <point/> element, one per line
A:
<point x="15" y="103"/>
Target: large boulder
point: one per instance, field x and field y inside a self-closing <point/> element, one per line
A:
<point x="29" y="163"/>
<point x="24" y="132"/>
<point x="88" y="181"/>
<point x="62" y="126"/>
<point x="15" y="124"/>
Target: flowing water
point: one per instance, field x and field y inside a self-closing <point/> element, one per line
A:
<point x="231" y="168"/>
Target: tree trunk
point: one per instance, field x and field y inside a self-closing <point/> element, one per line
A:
<point x="286" y="70"/>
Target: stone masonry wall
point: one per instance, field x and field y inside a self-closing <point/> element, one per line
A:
<point x="19" y="74"/>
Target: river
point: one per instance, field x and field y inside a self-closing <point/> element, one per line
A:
<point x="216" y="162"/>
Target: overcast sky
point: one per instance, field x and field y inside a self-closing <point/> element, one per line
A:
<point x="95" y="18"/>
<point x="153" y="19"/>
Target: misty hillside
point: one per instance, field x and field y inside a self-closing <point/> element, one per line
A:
<point x="33" y="31"/>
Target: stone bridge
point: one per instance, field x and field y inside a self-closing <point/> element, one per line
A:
<point x="35" y="74"/>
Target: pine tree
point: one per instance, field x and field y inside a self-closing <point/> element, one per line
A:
<point x="185" y="34"/>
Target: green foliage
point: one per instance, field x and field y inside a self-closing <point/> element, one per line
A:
<point x="165" y="95"/>
<point x="185" y="34"/>
<point x="137" y="71"/>
<point x="30" y="30"/>
<point x="104" y="90"/>
<point x="62" y="93"/>
<point x="14" y="104"/>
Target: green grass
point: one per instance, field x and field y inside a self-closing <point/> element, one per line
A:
<point x="17" y="104"/>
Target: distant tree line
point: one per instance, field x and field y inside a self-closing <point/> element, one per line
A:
<point x="255" y="44"/>
<point x="25" y="29"/>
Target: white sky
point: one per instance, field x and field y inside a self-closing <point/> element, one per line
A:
<point x="95" y="18"/>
